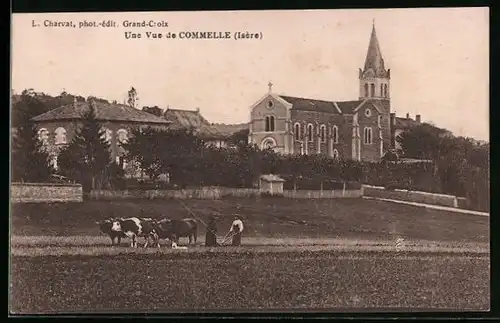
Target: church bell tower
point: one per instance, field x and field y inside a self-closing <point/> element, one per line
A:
<point x="374" y="79"/>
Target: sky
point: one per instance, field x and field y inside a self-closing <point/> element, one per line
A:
<point x="439" y="60"/>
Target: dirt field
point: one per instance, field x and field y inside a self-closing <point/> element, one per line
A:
<point x="332" y="254"/>
<point x="302" y="280"/>
<point x="271" y="217"/>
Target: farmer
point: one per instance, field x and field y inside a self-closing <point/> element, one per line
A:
<point x="211" y="235"/>
<point x="236" y="229"/>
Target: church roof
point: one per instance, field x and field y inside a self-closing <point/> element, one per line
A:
<point x="104" y="111"/>
<point x="304" y="104"/>
<point x="374" y="58"/>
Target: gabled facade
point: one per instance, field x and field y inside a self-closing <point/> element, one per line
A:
<point x="357" y="129"/>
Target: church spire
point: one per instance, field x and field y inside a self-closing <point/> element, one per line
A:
<point x="374" y="58"/>
<point x="374" y="79"/>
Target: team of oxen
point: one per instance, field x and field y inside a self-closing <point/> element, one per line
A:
<point x="150" y="229"/>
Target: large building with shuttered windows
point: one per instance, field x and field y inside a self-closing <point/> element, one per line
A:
<point x="56" y="128"/>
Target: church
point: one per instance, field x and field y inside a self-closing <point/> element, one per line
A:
<point x="357" y="130"/>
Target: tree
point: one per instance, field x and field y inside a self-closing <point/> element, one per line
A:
<point x="26" y="108"/>
<point x="423" y="141"/>
<point x="177" y="152"/>
<point x="132" y="97"/>
<point x="87" y="157"/>
<point x="239" y="138"/>
<point x="92" y="98"/>
<point x="144" y="147"/>
<point x="153" y="110"/>
<point x="30" y="161"/>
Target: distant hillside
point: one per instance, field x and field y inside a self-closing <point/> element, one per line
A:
<point x="229" y="129"/>
<point x="47" y="102"/>
<point x="37" y="103"/>
<point x="51" y="102"/>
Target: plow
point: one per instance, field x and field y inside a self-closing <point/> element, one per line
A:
<point x="219" y="239"/>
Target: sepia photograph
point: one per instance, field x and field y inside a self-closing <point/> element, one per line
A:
<point x="250" y="161"/>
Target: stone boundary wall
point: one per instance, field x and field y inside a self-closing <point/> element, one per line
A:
<point x="216" y="193"/>
<point x="322" y="194"/>
<point x="414" y="196"/>
<point x="45" y="192"/>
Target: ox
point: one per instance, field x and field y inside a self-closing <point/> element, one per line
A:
<point x="134" y="228"/>
<point x="106" y="228"/>
<point x="174" y="229"/>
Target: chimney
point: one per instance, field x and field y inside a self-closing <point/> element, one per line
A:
<point x="197" y="110"/>
<point x="417" y="117"/>
<point x="407" y="116"/>
<point x="393" y="119"/>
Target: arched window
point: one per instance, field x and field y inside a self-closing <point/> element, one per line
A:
<point x="296" y="129"/>
<point x="367" y="138"/>
<point x="122" y="136"/>
<point x="386" y="93"/>
<point x="372" y="89"/>
<point x="43" y="136"/>
<point x="60" y="136"/>
<point x="270" y="124"/>
<point x="366" y="90"/>
<point x="381" y="89"/>
<point x="322" y="133"/>
<point x="107" y="135"/>
<point x="310" y="132"/>
<point x="335" y="135"/>
<point x="335" y="154"/>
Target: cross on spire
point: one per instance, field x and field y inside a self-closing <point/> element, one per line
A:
<point x="270" y="85"/>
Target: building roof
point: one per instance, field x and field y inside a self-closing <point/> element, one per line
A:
<point x="104" y="111"/>
<point x="191" y="119"/>
<point x="271" y="178"/>
<point x="305" y="104"/>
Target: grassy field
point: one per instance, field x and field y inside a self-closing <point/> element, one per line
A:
<point x="276" y="218"/>
<point x="301" y="280"/>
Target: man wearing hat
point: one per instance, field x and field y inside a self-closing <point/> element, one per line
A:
<point x="211" y="235"/>
<point x="236" y="229"/>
